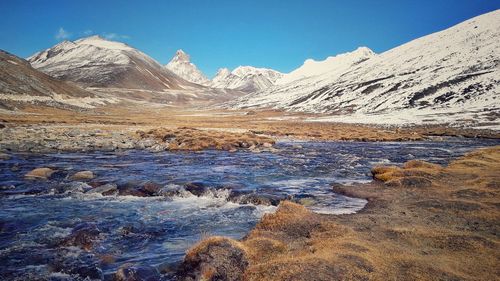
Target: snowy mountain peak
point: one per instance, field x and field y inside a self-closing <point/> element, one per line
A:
<point x="250" y="70"/>
<point x="337" y="63"/>
<point x="180" y="55"/>
<point x="245" y="78"/>
<point x="182" y="66"/>
<point x="98" y="41"/>
<point x="222" y="73"/>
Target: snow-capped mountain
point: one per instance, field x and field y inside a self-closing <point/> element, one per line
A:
<point x="183" y="67"/>
<point x="338" y="64"/>
<point x="21" y="84"/>
<point x="245" y="78"/>
<point x="443" y="77"/>
<point x="96" y="62"/>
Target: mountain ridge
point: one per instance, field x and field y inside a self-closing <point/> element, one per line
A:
<point x="96" y="62"/>
<point x="21" y="85"/>
<point x="245" y="78"/>
<point x="443" y="77"/>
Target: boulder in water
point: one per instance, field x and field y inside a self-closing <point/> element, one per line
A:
<point x="107" y="189"/>
<point x="196" y="188"/>
<point x="82" y="176"/>
<point x="131" y="191"/>
<point x="151" y="188"/>
<point x="131" y="188"/>
<point x="40" y="173"/>
<point x="83" y="235"/>
<point x="130" y="272"/>
<point x="253" y="198"/>
<point x="75" y="265"/>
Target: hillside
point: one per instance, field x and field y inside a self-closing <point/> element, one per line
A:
<point x="448" y="76"/>
<point x="21" y="85"/>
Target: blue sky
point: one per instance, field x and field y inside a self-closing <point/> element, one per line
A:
<point x="273" y="34"/>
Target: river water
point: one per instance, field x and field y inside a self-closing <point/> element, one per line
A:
<point x="36" y="217"/>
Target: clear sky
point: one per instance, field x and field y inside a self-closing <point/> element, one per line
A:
<point x="277" y="34"/>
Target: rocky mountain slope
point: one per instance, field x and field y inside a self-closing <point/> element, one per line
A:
<point x="448" y="76"/>
<point x="245" y="78"/>
<point x="21" y="84"/>
<point x="182" y="66"/>
<point x="96" y="62"/>
<point x="114" y="69"/>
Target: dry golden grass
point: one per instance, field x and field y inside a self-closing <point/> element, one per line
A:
<point x="207" y="242"/>
<point x="446" y="230"/>
<point x="186" y="138"/>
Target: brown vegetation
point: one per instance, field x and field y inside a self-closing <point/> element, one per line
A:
<point x="130" y="118"/>
<point x="186" y="138"/>
<point x="436" y="223"/>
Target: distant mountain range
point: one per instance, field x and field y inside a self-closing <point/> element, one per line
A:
<point x="449" y="76"/>
<point x="114" y="69"/>
<point x="243" y="78"/>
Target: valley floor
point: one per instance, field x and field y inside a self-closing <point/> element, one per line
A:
<point x="161" y="128"/>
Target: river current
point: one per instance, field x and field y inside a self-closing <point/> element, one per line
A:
<point x="155" y="231"/>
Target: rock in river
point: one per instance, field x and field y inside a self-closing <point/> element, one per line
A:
<point x="83" y="235"/>
<point x="196" y="188"/>
<point x="130" y="272"/>
<point x="107" y="189"/>
<point x="40" y="173"/>
<point x="82" y="176"/>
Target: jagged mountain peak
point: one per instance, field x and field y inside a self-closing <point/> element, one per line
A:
<point x="182" y="56"/>
<point x="182" y="66"/>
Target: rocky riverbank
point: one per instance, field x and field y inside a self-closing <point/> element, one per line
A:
<point x="422" y="222"/>
<point x="80" y="138"/>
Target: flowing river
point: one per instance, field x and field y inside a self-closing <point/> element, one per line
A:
<point x="37" y="217"/>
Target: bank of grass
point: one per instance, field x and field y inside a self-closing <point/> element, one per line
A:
<point x="186" y="138"/>
<point x="422" y="222"/>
